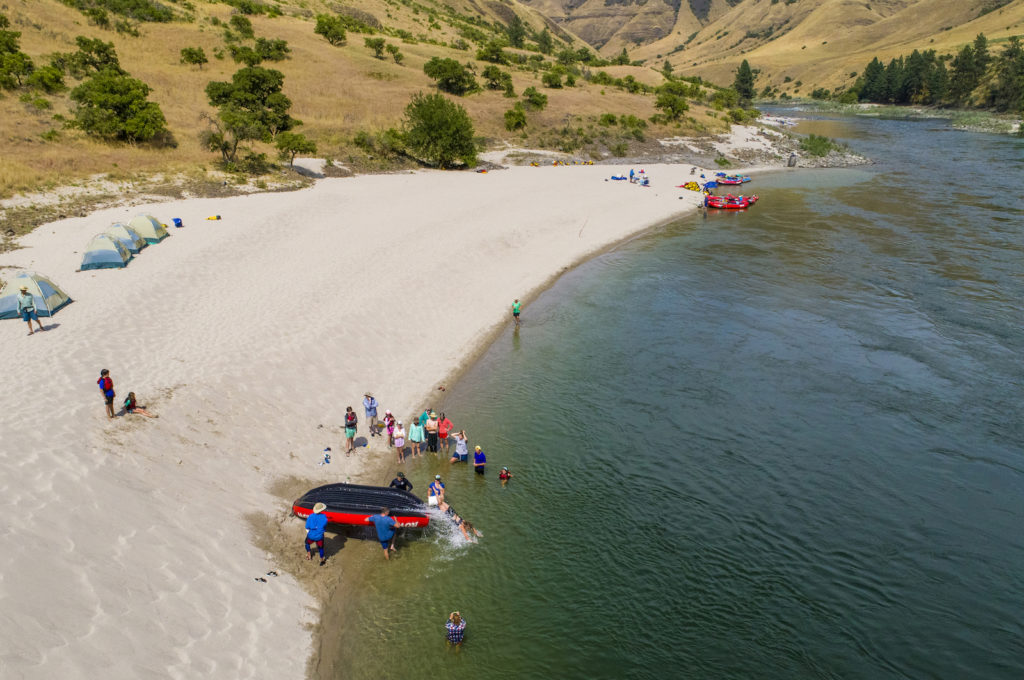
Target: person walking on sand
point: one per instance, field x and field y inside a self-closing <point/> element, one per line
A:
<point x="516" y="306"/>
<point x="455" y="629"/>
<point x="370" y="408"/>
<point x="400" y="441"/>
<point x="131" y="405"/>
<point x="400" y="482"/>
<point x="479" y="460"/>
<point x="107" y="388"/>
<point x="430" y="427"/>
<point x="461" y="454"/>
<point x="350" y="430"/>
<point x="27" y="309"/>
<point x="416" y="437"/>
<point x="444" y="428"/>
<point x="385" y="530"/>
<point x="315" y="525"/>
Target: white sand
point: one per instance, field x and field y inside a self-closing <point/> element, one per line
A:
<point x="125" y="551"/>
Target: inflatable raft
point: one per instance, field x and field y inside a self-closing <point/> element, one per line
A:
<point x="722" y="178"/>
<point x="354" y="504"/>
<point x="729" y="202"/>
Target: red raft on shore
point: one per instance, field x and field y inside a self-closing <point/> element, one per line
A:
<point x="354" y="504"/>
<point x="729" y="202"/>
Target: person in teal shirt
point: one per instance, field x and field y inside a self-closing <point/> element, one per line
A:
<point x="27" y="309"/>
<point x="416" y="437"/>
<point x="516" y="304"/>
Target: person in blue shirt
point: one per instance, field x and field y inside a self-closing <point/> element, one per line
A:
<point x="455" y="629"/>
<point x="315" y="525"/>
<point x="385" y="525"/>
<point x="370" y="407"/>
<point x="479" y="460"/>
<point x="435" y="491"/>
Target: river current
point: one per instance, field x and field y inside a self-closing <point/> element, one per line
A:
<point x="780" y="443"/>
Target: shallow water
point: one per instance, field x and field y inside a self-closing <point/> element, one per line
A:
<point x="779" y="443"/>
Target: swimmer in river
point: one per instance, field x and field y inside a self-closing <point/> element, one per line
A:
<point x="467" y="528"/>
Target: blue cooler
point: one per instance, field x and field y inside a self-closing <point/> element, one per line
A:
<point x="177" y="222"/>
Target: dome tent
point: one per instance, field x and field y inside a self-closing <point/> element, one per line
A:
<point x="45" y="293"/>
<point x="129" y="238"/>
<point x="148" y="228"/>
<point x="105" y="252"/>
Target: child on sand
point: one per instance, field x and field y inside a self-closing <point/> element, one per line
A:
<point x="132" y="406"/>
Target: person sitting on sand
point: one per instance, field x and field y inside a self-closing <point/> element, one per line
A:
<point x="455" y="629"/>
<point x="461" y="454"/>
<point x="132" y="406"/>
<point x="315" y="525"/>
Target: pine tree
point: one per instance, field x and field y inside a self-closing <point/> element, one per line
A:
<point x="744" y="84"/>
<point x="873" y="88"/>
<point x="981" y="56"/>
<point x="964" y="78"/>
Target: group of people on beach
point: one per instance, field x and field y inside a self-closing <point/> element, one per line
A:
<point x="131" y="404"/>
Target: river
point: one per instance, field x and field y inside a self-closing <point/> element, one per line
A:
<point x="780" y="443"/>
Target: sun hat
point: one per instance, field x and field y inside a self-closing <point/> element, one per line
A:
<point x="478" y="448"/>
<point x="367" y="394"/>
<point x="437" y="476"/>
<point x="24" y="289"/>
<point x="387" y="412"/>
<point x="433" y="414"/>
<point x="399" y="422"/>
<point x="401" y="474"/>
<point x="319" y="507"/>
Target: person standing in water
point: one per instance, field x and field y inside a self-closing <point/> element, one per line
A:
<point x="516" y="304"/>
<point x="430" y="427"/>
<point x="315" y="525"/>
<point x="444" y="428"/>
<point x="461" y="454"/>
<point x="385" y="530"/>
<point x="400" y="482"/>
<point x="479" y="461"/>
<point x="455" y="629"/>
<point x="416" y="437"/>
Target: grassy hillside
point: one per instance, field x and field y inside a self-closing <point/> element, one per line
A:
<point x="819" y="43"/>
<point x="337" y="91"/>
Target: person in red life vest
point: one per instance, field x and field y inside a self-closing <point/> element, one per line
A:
<point x="504" y="476"/>
<point x="107" y="388"/>
<point x="131" y="405"/>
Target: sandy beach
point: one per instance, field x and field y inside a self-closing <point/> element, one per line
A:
<point x="128" y="549"/>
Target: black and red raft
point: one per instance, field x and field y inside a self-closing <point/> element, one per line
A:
<point x="354" y="504"/>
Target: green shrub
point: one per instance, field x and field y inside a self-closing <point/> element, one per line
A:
<point x="515" y="118"/>
<point x="331" y="28"/>
<point x="438" y="131"/>
<point x="619" y="149"/>
<point x="375" y="44"/>
<point x="672" y="106"/>
<point x="492" y="52"/>
<point x="114" y="106"/>
<point x="451" y="76"/>
<point x="534" y="100"/>
<point x="395" y="53"/>
<point x="290" y="144"/>
<point x="243" y="25"/>
<point x="194" y="55"/>
<point x="817" y="145"/>
<point x="608" y="119"/>
<point x="552" y="79"/>
<point x="723" y="162"/>
<point x="49" y="79"/>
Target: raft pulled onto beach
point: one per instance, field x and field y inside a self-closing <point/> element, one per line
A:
<point x="729" y="202"/>
<point x="354" y="504"/>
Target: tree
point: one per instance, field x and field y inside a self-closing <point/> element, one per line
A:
<point x="49" y="79"/>
<point x="8" y="39"/>
<point x="545" y="43"/>
<point x="15" y="68"/>
<point x="964" y="78"/>
<point x="375" y="44"/>
<point x="331" y="28"/>
<point x="534" y="100"/>
<point x="515" y="118"/>
<point x="672" y="105"/>
<point x="243" y="54"/>
<point x="744" y="84"/>
<point x="250" y="107"/>
<point x="552" y="79"/>
<point x="1008" y="91"/>
<point x="666" y="70"/>
<point x="290" y="144"/>
<point x="451" y="76"/>
<point x="622" y="59"/>
<point x="194" y="55"/>
<point x="498" y="79"/>
<point x="93" y="55"/>
<point x="873" y="87"/>
<point x="272" y="50"/>
<point x="516" y="31"/>
<point x="493" y="53"/>
<point x="395" y="53"/>
<point x="113" y="106"/>
<point x="438" y="131"/>
<point x="981" y="55"/>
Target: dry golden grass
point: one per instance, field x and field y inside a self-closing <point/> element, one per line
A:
<point x="826" y="41"/>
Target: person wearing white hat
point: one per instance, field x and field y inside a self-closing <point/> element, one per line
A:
<point x="315" y="525"/>
<point x="27" y="309"/>
<point x="399" y="436"/>
<point x="370" y="408"/>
